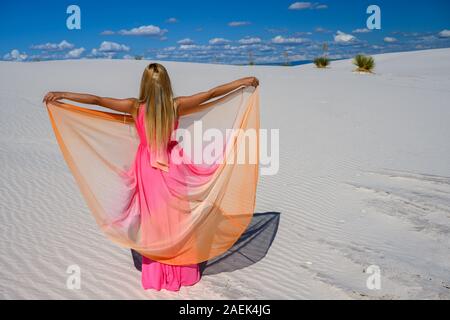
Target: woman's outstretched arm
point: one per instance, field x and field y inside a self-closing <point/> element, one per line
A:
<point x="122" y="105"/>
<point x="195" y="103"/>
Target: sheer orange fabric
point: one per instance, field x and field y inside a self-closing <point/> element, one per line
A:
<point x="186" y="214"/>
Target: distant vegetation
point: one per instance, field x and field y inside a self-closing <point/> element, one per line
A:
<point x="251" y="60"/>
<point x="364" y="63"/>
<point x="322" y="62"/>
<point x="287" y="61"/>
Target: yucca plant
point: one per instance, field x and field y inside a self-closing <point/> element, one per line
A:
<point x="286" y="63"/>
<point x="322" y="62"/>
<point x="251" y="61"/>
<point x="364" y="63"/>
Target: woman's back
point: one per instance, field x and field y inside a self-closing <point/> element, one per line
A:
<point x="139" y="120"/>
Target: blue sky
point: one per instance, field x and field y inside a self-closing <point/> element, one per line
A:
<point x="218" y="31"/>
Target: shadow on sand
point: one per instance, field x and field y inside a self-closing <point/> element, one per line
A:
<point x="251" y="247"/>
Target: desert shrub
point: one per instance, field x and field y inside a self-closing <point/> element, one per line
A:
<point x="364" y="63"/>
<point x="322" y="62"/>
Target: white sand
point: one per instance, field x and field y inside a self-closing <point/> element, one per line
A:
<point x="364" y="179"/>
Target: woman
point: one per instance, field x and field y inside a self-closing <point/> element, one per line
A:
<point x="157" y="206"/>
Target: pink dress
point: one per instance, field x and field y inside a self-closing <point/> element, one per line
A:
<point x="176" y="213"/>
<point x="156" y="275"/>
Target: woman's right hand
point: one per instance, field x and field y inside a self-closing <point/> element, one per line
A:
<point x="250" y="82"/>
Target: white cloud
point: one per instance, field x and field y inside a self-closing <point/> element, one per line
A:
<point x="63" y="45"/>
<point x="303" y="33"/>
<point x="230" y="47"/>
<point x="188" y="46"/>
<point x="15" y="55"/>
<point x="108" y="46"/>
<point x="238" y="23"/>
<point x="172" y="20"/>
<point x="300" y="6"/>
<point x="75" y="53"/>
<point x="109" y="49"/>
<point x="149" y="30"/>
<point x="297" y="57"/>
<point x="45" y="56"/>
<point x="292" y="40"/>
<point x="307" y="5"/>
<point x="407" y="34"/>
<point x="362" y="30"/>
<point x="429" y="38"/>
<point x="218" y="41"/>
<point x="265" y="48"/>
<point x="101" y="54"/>
<point x="444" y="34"/>
<point x="322" y="30"/>
<point x="254" y="40"/>
<point x="277" y="30"/>
<point x="390" y="40"/>
<point x="344" y="38"/>
<point x="186" y="41"/>
<point x="107" y="33"/>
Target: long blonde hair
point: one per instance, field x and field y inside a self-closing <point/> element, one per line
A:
<point x="160" y="111"/>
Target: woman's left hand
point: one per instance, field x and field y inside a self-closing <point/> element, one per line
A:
<point x="53" y="96"/>
<point x="250" y="82"/>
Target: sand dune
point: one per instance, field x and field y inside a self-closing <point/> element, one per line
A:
<point x="364" y="180"/>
